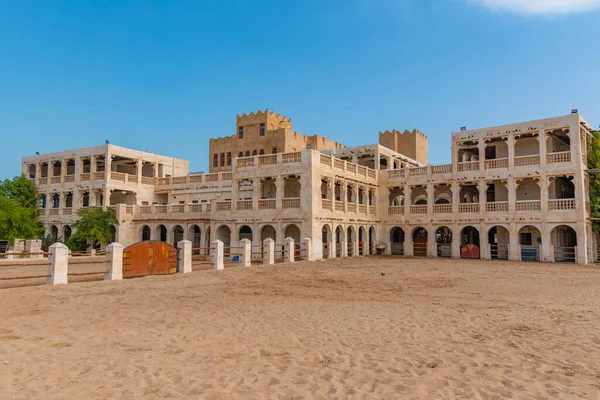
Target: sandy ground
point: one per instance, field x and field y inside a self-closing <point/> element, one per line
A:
<point x="427" y="329"/>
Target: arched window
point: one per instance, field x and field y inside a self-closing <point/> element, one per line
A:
<point x="241" y="154"/>
<point x="222" y="159"/>
<point x="228" y="158"/>
<point x="216" y="160"/>
<point x="274" y="150"/>
<point x="254" y="153"/>
<point x="261" y="152"/>
<point x="247" y="154"/>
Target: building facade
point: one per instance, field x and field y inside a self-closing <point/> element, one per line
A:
<point x="517" y="192"/>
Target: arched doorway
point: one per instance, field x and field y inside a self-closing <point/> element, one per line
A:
<point x="195" y="236"/>
<point x="177" y="234"/>
<point x="530" y="240"/>
<point x="498" y="240"/>
<point x="146" y="233"/>
<point x="443" y="240"/>
<point x="67" y="233"/>
<point x="53" y="233"/>
<point x="223" y="234"/>
<point x="326" y="240"/>
<point x="245" y="232"/>
<point x="564" y="243"/>
<point x="267" y="232"/>
<point x="397" y="241"/>
<point x="161" y="233"/>
<point x="351" y="240"/>
<point x="372" y="242"/>
<point x="420" y="239"/>
<point x="339" y="238"/>
<point x="292" y="231"/>
<point x="469" y="243"/>
<point x="362" y="234"/>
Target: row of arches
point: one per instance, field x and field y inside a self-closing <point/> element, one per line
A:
<point x="563" y="238"/>
<point x="347" y="242"/>
<point x="64" y="233"/>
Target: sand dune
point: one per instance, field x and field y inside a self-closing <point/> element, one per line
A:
<point x="428" y="329"/>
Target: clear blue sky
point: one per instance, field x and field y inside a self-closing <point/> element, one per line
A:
<point x="165" y="76"/>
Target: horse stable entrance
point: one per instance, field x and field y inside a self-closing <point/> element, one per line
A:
<point x="149" y="258"/>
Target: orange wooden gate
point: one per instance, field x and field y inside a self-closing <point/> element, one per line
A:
<point x="149" y="258"/>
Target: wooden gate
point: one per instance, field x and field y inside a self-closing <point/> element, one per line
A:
<point x="149" y="258"/>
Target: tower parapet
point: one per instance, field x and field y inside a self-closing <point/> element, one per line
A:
<point x="412" y="144"/>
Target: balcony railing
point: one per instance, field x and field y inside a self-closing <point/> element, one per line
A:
<point x="497" y="206"/>
<point x="67" y="211"/>
<point x="339" y="205"/>
<point x="561" y="204"/>
<point x="441" y="169"/>
<point x="55" y="179"/>
<point x="560" y="157"/>
<point x="160" y="209"/>
<point x="291" y="203"/>
<point x="268" y="159"/>
<point x="266" y="204"/>
<point x="53" y="211"/>
<point x="528" y="205"/>
<point x="146" y="180"/>
<point x="223" y="206"/>
<point x="115" y="176"/>
<point x="289" y="158"/>
<point x="43" y="181"/>
<point x="177" y="208"/>
<point x="396" y="210"/>
<point x="372" y="210"/>
<point x="521" y="161"/>
<point x="442" y="208"/>
<point x="468" y="208"/>
<point x="419" y="171"/>
<point x="86" y="176"/>
<point x="100" y="175"/>
<point x="396" y="173"/>
<point x="244" y="205"/>
<point x="69" y="178"/>
<point x="362" y="208"/>
<point x="496" y="163"/>
<point x="468" y="166"/>
<point x="326" y="204"/>
<point x="245" y="162"/>
<point x="418" y="209"/>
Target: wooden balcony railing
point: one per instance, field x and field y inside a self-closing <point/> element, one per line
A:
<point x="55" y="179"/>
<point x="115" y="176"/>
<point x="100" y="175"/>
<point x="561" y="204"/>
<point x="53" y="211"/>
<point x="69" y="178"/>
<point x="362" y="208"/>
<point x="146" y="180"/>
<point x="291" y="203"/>
<point x="441" y="169"/>
<point x="468" y="208"/>
<point x="67" y="211"/>
<point x="244" y="205"/>
<point x="160" y="209"/>
<point x="325" y="160"/>
<point x="418" y="209"/>
<point x="372" y="210"/>
<point x="497" y="163"/>
<point x="223" y="206"/>
<point x="326" y="204"/>
<point x="396" y="210"/>
<point x="266" y="204"/>
<point x="339" y="205"/>
<point x="561" y="157"/>
<point x="522" y="161"/>
<point x="44" y="181"/>
<point x="528" y="205"/>
<point x="177" y="208"/>
<point x="337" y="163"/>
<point x="497" y="206"/>
<point x="468" y="166"/>
<point x="442" y="208"/>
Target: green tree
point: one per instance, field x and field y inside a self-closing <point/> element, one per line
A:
<point x="92" y="228"/>
<point x="18" y="210"/>
<point x="594" y="163"/>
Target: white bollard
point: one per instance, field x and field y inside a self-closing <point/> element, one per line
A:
<point x="309" y="250"/>
<point x="217" y="254"/>
<point x="344" y="246"/>
<point x="269" y="251"/>
<point x="114" y="262"/>
<point x="246" y="258"/>
<point x="185" y="256"/>
<point x="290" y="248"/>
<point x="58" y="264"/>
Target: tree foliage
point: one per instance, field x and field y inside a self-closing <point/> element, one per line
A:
<point x="594" y="162"/>
<point x="18" y="210"/>
<point x="92" y="228"/>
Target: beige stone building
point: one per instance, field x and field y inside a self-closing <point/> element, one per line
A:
<point x="517" y="192"/>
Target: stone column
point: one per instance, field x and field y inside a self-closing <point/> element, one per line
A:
<point x="310" y="254"/>
<point x="430" y="198"/>
<point x="514" y="249"/>
<point x="511" y="187"/>
<point x="279" y="192"/>
<point x="217" y="254"/>
<point x="511" y="152"/>
<point x="332" y="192"/>
<point x="455" y="246"/>
<point x="246" y="258"/>
<point x="482" y="198"/>
<point x="407" y="202"/>
<point x="543" y="143"/>
<point x="455" y="188"/>
<point x="256" y="191"/>
<point x="484" y="245"/>
<point x="58" y="264"/>
<point x="114" y="262"/>
<point x="269" y="251"/>
<point x="408" y="242"/>
<point x="185" y="256"/>
<point x="289" y="250"/>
